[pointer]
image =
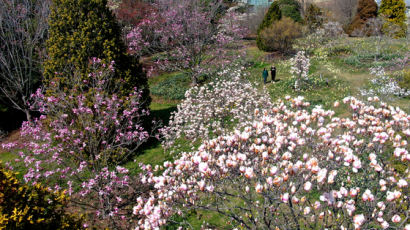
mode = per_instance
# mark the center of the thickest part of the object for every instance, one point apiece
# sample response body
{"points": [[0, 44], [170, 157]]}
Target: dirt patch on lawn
{"points": [[12, 137]]}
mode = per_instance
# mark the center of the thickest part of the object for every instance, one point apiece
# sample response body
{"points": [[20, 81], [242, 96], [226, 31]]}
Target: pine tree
{"points": [[366, 10], [83, 29], [394, 12], [274, 14]]}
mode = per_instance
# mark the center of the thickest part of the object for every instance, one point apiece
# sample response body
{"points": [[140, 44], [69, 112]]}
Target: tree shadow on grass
{"points": [[162, 115]]}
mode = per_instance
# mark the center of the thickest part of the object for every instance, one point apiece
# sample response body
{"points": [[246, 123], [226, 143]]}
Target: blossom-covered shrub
{"points": [[33, 207], [295, 167], [383, 85], [82, 138], [215, 108]]}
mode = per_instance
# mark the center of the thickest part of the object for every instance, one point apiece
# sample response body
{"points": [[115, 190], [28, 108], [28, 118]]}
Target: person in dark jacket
{"points": [[273, 73], [265, 75]]}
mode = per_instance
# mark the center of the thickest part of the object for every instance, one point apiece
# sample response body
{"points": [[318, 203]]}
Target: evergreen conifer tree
{"points": [[81, 30]]}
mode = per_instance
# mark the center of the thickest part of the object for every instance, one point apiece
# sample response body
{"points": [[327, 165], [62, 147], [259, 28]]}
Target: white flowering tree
{"points": [[300, 69], [215, 108]]}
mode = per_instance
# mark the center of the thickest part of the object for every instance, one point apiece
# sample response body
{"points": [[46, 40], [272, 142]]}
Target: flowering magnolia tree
{"points": [[215, 108], [300, 69], [193, 34], [295, 167], [80, 141], [383, 85]]}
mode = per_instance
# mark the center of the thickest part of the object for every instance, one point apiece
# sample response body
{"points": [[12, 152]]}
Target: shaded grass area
{"points": [[171, 86]]}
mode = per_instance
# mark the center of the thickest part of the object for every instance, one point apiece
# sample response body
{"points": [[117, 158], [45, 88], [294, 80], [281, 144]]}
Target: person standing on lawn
{"points": [[265, 75], [273, 73]]}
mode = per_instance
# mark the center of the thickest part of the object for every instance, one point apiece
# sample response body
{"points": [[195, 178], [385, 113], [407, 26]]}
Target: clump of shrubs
{"points": [[274, 14], [276, 33], [33, 207], [280, 35]]}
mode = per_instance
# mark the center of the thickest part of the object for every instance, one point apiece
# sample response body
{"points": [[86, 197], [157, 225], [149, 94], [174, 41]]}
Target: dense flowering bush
{"points": [[383, 85], [33, 207], [82, 138], [215, 108], [294, 167]]}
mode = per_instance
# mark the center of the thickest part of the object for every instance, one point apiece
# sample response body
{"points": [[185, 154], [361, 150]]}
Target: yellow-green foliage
{"points": [[280, 35], [394, 12], [32, 207], [82, 29], [405, 81]]}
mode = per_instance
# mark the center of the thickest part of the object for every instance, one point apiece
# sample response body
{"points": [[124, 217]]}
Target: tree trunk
{"points": [[28, 116]]}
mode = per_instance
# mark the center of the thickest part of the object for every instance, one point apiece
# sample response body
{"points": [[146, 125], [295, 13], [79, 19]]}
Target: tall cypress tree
{"points": [[274, 14], [366, 9], [394, 12], [83, 29]]}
